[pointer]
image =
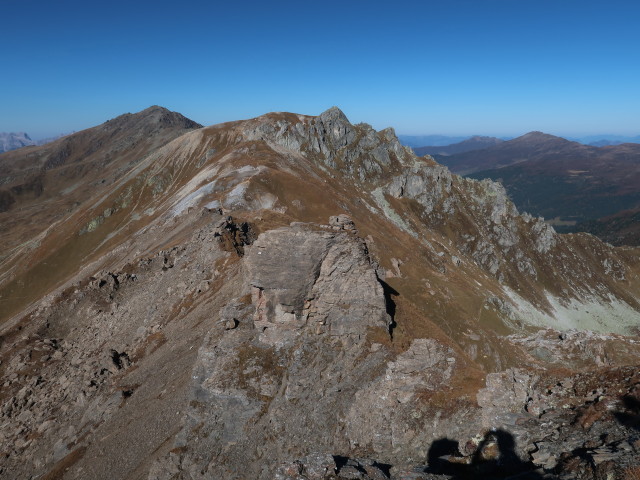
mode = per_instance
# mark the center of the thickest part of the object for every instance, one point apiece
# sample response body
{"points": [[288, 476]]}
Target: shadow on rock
{"points": [[631, 417], [494, 458], [389, 293]]}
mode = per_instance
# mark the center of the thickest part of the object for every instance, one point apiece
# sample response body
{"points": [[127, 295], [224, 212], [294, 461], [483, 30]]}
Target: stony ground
{"points": [[297, 297]]}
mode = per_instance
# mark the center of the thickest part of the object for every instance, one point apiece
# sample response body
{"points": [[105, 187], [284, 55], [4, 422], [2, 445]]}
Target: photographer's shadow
{"points": [[494, 458]]}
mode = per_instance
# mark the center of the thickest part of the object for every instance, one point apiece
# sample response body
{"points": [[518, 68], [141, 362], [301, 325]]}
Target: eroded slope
{"points": [[260, 291]]}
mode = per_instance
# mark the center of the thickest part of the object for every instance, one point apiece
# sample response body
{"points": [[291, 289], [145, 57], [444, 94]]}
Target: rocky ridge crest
{"points": [[516, 249], [224, 329]]}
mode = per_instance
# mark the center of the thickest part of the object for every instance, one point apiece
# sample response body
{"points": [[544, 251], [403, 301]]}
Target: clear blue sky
{"points": [[500, 67]]}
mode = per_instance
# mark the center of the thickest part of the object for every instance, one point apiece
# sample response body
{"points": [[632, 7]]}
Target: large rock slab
{"points": [[318, 281]]}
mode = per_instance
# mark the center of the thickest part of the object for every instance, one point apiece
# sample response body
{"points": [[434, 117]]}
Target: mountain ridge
{"points": [[257, 285], [79, 159], [532, 145], [476, 142]]}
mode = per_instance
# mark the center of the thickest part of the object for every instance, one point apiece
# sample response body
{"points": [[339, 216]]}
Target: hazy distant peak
{"points": [[537, 137], [477, 142], [482, 137], [13, 140], [17, 135], [537, 134]]}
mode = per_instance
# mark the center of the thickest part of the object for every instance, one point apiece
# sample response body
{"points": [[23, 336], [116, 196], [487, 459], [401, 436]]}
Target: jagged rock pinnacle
{"points": [[333, 114]]}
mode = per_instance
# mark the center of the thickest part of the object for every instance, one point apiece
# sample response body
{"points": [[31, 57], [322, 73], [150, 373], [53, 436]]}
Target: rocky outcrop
{"points": [[315, 280], [477, 216], [325, 467], [298, 356], [356, 150], [396, 407], [573, 425]]}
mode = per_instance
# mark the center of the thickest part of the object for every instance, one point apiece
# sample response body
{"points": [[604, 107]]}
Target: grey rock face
{"points": [[505, 394], [286, 263], [321, 281], [358, 150], [444, 196], [544, 236], [319, 466], [426, 184], [333, 127], [293, 363], [393, 410]]}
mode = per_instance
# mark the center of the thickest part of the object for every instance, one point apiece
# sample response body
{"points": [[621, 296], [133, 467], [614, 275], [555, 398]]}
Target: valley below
{"points": [[575, 187]]}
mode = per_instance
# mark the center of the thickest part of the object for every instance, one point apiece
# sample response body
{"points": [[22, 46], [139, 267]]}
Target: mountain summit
{"points": [[531, 146], [295, 296], [44, 184], [151, 120]]}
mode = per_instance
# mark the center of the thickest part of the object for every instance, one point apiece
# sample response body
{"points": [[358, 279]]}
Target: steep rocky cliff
{"points": [[296, 297]]}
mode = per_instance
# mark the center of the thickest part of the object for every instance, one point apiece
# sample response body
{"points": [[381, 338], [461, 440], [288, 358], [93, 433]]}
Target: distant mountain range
{"points": [[604, 143], [568, 183], [420, 142], [473, 143], [531, 146], [603, 140], [12, 141], [414, 141]]}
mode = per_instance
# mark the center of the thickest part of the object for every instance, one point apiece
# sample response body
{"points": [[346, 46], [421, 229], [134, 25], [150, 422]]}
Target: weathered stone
{"points": [[342, 222], [300, 276]]}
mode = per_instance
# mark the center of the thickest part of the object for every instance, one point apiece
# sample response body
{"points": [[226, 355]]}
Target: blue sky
{"points": [[497, 67]]}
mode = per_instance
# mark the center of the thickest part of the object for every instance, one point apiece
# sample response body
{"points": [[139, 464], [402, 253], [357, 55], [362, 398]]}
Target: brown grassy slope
{"points": [[435, 297], [40, 185]]}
